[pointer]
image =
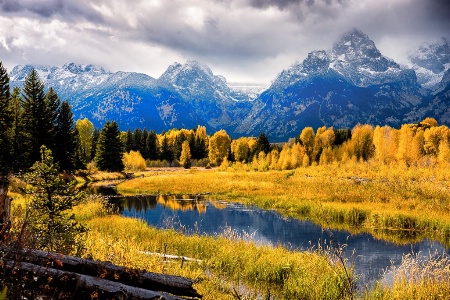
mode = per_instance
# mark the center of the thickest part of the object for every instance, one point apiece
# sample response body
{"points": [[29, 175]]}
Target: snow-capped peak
{"points": [[431, 61]]}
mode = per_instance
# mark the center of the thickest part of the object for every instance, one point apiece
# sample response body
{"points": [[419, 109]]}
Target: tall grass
{"points": [[418, 277], [229, 264]]}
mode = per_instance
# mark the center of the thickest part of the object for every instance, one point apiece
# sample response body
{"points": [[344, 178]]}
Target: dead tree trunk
{"points": [[59, 284], [104, 270], [5, 206]]}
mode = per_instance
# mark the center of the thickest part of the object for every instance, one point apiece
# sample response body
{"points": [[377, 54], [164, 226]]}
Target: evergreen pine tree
{"points": [[152, 146], [6, 120], [65, 147], [129, 141], [16, 132], [53, 104], [137, 135], [262, 144], [95, 136], [143, 144], [109, 149], [36, 116], [51, 198], [166, 151]]}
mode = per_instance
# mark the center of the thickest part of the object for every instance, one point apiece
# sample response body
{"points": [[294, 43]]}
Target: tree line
{"points": [[30, 118]]}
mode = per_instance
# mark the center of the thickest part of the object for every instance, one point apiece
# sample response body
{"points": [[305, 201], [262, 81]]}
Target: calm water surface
{"points": [[371, 257]]}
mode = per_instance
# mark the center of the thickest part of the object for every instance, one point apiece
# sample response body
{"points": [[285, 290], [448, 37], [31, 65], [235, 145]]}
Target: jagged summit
{"points": [[431, 61], [81, 68]]}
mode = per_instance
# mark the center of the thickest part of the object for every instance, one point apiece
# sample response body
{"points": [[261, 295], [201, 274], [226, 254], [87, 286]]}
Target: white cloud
{"points": [[244, 40]]}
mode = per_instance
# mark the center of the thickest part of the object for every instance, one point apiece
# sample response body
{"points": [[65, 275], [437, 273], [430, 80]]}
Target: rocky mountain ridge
{"points": [[350, 83]]}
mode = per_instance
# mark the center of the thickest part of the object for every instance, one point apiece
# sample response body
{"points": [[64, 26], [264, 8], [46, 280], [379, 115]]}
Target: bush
{"points": [[134, 161]]}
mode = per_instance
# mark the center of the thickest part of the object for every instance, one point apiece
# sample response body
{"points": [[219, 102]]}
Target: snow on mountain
{"points": [[348, 84], [207, 93], [430, 62], [353, 82]]}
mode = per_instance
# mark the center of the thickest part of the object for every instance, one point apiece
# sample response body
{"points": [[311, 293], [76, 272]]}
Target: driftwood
{"points": [[102, 278], [170, 256]]}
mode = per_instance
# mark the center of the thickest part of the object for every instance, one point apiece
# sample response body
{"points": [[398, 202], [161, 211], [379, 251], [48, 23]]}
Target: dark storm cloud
{"points": [[253, 36], [70, 10]]}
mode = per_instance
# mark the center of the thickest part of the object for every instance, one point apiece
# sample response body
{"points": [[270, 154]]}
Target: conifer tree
{"points": [[166, 151], [65, 136], [262, 144], [152, 146], [36, 116], [143, 144], [53, 104], [51, 197], [95, 136], [6, 120], [109, 152], [16, 132], [129, 141]]}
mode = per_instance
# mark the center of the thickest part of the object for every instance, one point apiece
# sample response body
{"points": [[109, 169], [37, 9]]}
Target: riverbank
{"points": [[398, 204], [224, 266]]}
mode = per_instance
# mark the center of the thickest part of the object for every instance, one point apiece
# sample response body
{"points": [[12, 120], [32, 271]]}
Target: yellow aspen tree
{"points": [[326, 157], [297, 152], [133, 161], [263, 164], [444, 152], [405, 140], [307, 137], [219, 144], [274, 156], [433, 137], [385, 142], [185, 158], [362, 140], [305, 161], [240, 149]]}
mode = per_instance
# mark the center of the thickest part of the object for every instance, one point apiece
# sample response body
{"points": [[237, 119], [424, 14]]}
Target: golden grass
{"points": [[228, 263], [417, 277]]}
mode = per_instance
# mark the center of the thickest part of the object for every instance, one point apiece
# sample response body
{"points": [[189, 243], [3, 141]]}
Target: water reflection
{"points": [[371, 256]]}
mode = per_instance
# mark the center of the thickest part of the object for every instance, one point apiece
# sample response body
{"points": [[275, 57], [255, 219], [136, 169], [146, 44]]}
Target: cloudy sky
{"points": [[244, 40]]}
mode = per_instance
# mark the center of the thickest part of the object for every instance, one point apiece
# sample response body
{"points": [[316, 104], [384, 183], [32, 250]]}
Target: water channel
{"points": [[195, 214]]}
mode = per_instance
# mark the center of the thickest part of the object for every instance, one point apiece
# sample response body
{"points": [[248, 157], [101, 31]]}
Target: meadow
{"points": [[397, 204]]}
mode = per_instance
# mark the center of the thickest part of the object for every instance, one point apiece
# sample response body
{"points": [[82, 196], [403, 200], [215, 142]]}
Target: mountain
{"points": [[351, 83], [183, 97], [430, 62], [219, 105]]}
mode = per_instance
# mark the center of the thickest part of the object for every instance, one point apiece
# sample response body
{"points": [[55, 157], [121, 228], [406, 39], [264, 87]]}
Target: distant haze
{"points": [[244, 40]]}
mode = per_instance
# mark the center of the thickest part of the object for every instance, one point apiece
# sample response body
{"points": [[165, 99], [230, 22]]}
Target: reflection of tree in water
{"points": [[183, 202], [173, 202]]}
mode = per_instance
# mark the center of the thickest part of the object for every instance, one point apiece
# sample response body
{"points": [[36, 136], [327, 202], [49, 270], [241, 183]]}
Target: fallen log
{"points": [[105, 270], [170, 256], [63, 284]]}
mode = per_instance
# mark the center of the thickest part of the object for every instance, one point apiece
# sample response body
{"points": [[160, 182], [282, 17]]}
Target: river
{"points": [[370, 257]]}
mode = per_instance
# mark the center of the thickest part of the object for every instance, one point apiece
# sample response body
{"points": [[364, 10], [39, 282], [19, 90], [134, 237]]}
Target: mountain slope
{"points": [[349, 84], [220, 106]]}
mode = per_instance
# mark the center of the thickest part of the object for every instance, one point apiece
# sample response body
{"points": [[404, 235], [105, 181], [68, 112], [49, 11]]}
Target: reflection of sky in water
{"points": [[371, 257]]}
